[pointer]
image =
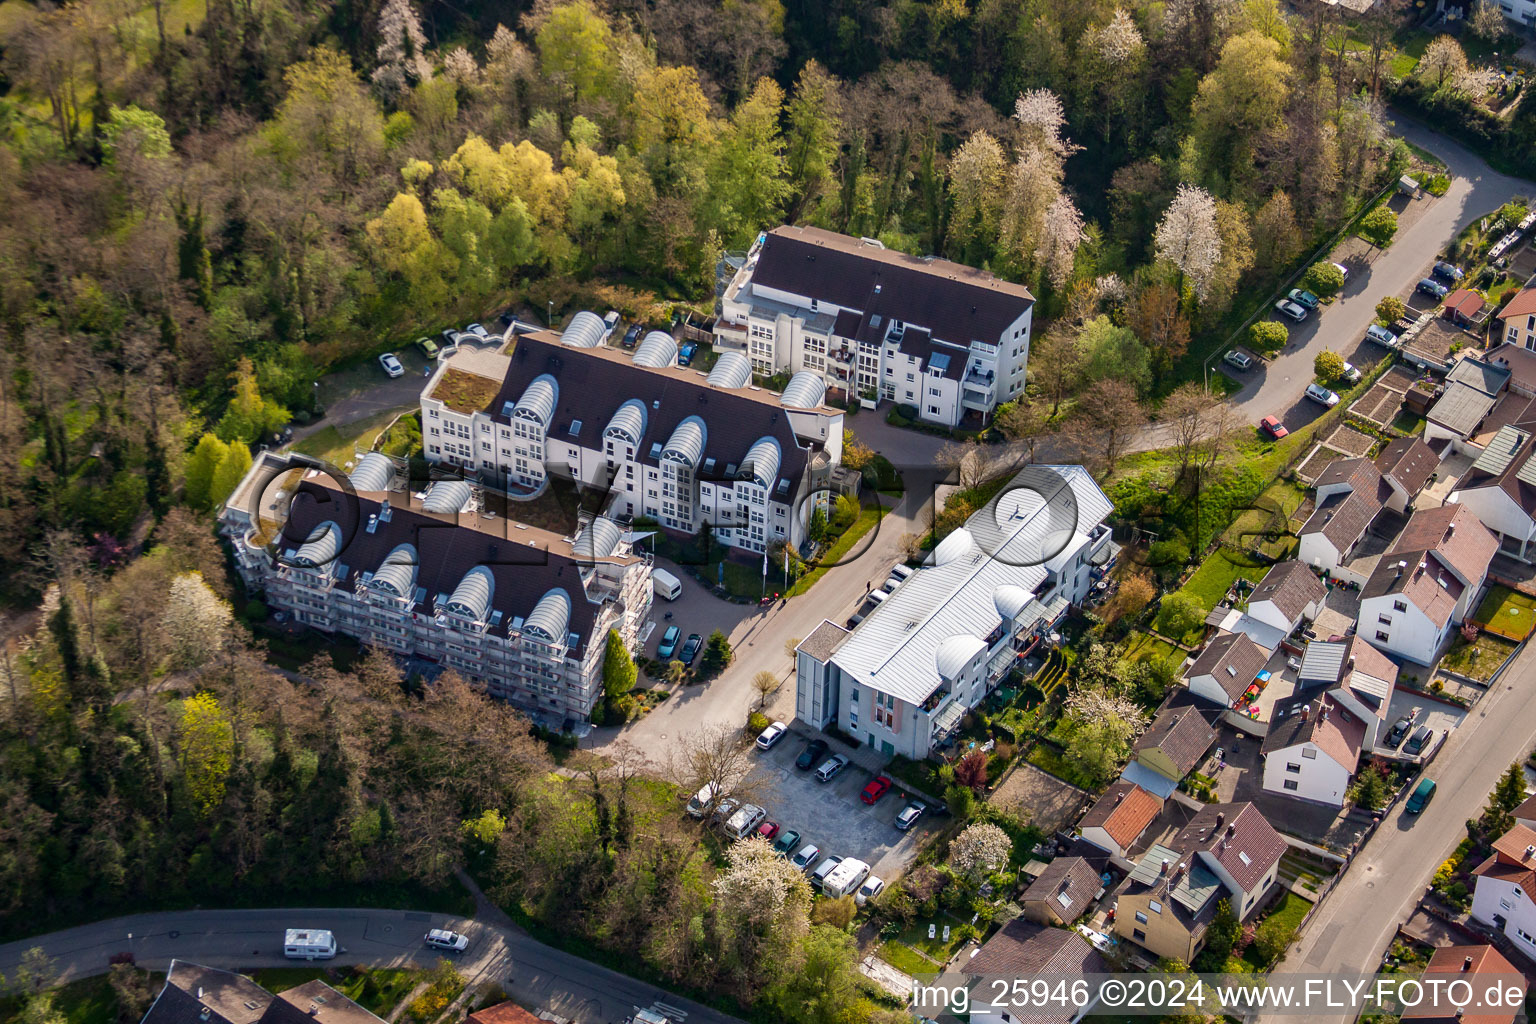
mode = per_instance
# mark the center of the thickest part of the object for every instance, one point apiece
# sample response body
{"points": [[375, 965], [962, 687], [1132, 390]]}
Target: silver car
{"points": [[1322, 395], [1381, 336], [1287, 308]]}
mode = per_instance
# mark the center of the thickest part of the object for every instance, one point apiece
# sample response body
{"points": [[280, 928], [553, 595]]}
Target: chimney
{"points": [[204, 1013], [1163, 869], [1306, 711], [1221, 817], [314, 1009], [1466, 965], [1530, 851], [1231, 831]]}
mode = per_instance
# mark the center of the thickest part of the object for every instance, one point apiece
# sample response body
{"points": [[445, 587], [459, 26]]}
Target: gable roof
{"points": [[1320, 721], [1508, 462], [1510, 861], [315, 1002], [1370, 675], [1291, 587], [1438, 554], [1358, 474], [1066, 885], [953, 303], [1237, 836], [1522, 304], [1232, 660], [1021, 949], [1479, 373], [503, 1013], [1526, 810], [1182, 733], [190, 988], [1409, 461], [1124, 811], [1454, 533], [1342, 518], [1485, 967], [1464, 301]]}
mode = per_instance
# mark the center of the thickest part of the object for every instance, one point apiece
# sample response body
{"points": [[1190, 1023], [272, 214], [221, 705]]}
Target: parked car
{"points": [[700, 803], [1421, 794], [787, 843], [1320, 394], [877, 788], [453, 942], [1381, 336], [391, 365], [1341, 268], [1399, 732], [1272, 426], [724, 809], [478, 330], [830, 767], [1351, 373], [1287, 308], [691, 648], [807, 857], [873, 886], [611, 320], [449, 336], [811, 756], [1449, 271], [1434, 289], [771, 735], [668, 643], [428, 347], [1302, 297], [825, 868], [685, 354], [908, 815], [1240, 360], [1418, 741], [631, 336], [768, 829]]}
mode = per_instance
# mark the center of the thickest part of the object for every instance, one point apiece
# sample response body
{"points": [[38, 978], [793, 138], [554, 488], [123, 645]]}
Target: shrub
{"points": [[1378, 227], [1329, 366], [1323, 278], [1391, 309], [960, 800], [1437, 184], [255, 611], [1179, 614], [1271, 938], [1268, 336], [757, 722]]}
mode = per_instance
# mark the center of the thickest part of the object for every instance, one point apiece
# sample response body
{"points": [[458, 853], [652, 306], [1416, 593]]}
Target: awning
{"points": [[1158, 785], [947, 720]]}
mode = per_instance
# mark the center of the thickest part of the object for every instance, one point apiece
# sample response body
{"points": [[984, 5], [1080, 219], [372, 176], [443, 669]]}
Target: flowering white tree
{"points": [[1042, 117], [1443, 60], [1040, 225], [401, 51], [1119, 42], [1111, 290], [460, 68], [196, 620], [979, 850], [978, 181], [1188, 237]]}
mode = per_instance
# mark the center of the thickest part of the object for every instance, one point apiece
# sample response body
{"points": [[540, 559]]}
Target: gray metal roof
{"points": [[1461, 408], [1526, 474], [585, 330], [472, 597], [762, 462], [448, 496], [658, 348], [321, 546], [397, 573], [628, 421], [1151, 864], [374, 472], [1500, 450], [1009, 600], [597, 539], [1486, 377], [1323, 662], [1195, 887], [733, 370], [551, 615], [956, 652], [539, 400], [687, 442], [805, 390]]}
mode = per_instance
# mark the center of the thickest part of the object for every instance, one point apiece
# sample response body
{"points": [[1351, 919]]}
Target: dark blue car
{"points": [[685, 354]]}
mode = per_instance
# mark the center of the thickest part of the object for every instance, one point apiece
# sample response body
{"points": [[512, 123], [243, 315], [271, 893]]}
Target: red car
{"points": [[876, 789], [768, 829], [1273, 427]]}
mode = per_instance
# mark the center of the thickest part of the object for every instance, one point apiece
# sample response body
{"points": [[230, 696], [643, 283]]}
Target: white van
{"points": [[845, 879], [308, 944], [901, 571], [666, 584], [700, 803], [745, 821], [878, 596]]}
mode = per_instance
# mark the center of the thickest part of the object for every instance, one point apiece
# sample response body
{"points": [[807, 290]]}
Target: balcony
{"points": [[981, 401]]}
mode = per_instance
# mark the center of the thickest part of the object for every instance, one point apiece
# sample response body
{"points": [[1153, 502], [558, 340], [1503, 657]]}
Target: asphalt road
{"points": [[531, 973], [1356, 923]]}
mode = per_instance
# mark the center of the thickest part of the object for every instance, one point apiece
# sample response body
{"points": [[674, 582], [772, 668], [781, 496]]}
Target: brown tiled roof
{"points": [[1124, 811], [1513, 874], [1342, 518], [1512, 846], [1233, 660], [1021, 949], [1067, 884], [315, 1002], [1454, 533], [1329, 726], [1433, 590], [1523, 304], [1358, 474], [1464, 301], [1291, 586], [190, 988], [503, 1013], [1182, 734], [1526, 810], [1409, 461], [1369, 674], [956, 303], [1485, 967], [1246, 845]]}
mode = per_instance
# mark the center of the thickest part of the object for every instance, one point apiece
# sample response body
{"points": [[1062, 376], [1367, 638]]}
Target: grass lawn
{"points": [[1216, 575], [905, 960], [337, 446], [1289, 910], [1146, 647], [377, 991], [916, 936], [1507, 612], [839, 549], [1048, 759], [1478, 659], [1408, 423], [1270, 514]]}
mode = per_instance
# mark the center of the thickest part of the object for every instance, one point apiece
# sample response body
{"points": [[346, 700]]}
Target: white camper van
{"points": [[845, 878], [308, 944], [744, 821], [666, 584]]}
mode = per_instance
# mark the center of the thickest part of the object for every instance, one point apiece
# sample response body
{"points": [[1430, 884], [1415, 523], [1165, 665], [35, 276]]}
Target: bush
{"points": [[1329, 366], [1378, 227], [1179, 614], [255, 611], [717, 655], [757, 722], [1437, 184], [1390, 309], [1323, 278], [960, 800], [1268, 336], [1271, 938]]}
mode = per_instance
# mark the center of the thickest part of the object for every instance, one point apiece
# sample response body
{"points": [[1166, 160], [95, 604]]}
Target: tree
{"points": [[1184, 411], [1508, 794], [1135, 593], [1370, 790], [484, 829], [814, 126], [1238, 104], [711, 756], [762, 905], [619, 671], [1098, 727], [764, 683], [816, 529], [1180, 614], [231, 470], [1487, 21], [206, 738], [1188, 237], [132, 132], [978, 186], [249, 416], [1378, 226], [676, 672], [856, 454], [822, 984], [1390, 310], [1157, 317], [1323, 278], [1112, 352], [971, 770], [1022, 422], [1056, 364], [1443, 60], [196, 620], [575, 45], [1272, 937], [201, 467], [1268, 336], [748, 173], [979, 850], [1040, 228], [1276, 238], [964, 460], [401, 51], [1110, 417], [960, 801], [1328, 366], [717, 654], [1220, 937]]}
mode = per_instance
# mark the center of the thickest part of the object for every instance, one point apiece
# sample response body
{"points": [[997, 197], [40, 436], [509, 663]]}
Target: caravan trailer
{"points": [[309, 944]]}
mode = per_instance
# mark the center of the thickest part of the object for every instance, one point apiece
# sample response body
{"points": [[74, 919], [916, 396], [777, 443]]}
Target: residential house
{"points": [[686, 448], [1022, 949], [1222, 672], [1227, 851], [1350, 495], [193, 994], [1357, 676], [503, 1013], [1119, 817], [1062, 893], [1312, 749], [1472, 388], [877, 324], [1515, 324], [1500, 489], [522, 613], [1289, 594], [1504, 895], [946, 636], [1485, 970], [1525, 814], [1406, 464], [1462, 308], [1171, 747], [1427, 584]]}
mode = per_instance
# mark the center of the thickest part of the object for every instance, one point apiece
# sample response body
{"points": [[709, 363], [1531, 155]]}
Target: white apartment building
{"points": [[687, 448], [905, 676], [945, 338], [520, 612]]}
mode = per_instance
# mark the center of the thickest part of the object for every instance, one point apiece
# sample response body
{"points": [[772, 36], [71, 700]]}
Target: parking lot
{"points": [[830, 814], [1441, 718]]}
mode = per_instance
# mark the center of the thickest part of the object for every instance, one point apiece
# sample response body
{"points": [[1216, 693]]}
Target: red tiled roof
{"points": [[1482, 964], [503, 1013], [1523, 304], [1124, 811]]}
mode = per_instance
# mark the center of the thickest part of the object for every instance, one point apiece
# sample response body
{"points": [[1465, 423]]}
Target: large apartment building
{"points": [[432, 574], [877, 324], [684, 447], [905, 676]]}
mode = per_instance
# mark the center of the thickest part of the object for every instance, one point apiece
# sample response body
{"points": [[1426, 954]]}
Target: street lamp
{"points": [[130, 945], [551, 318]]}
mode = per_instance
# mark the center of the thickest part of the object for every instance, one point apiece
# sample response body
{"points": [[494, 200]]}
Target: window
{"points": [[1141, 918], [911, 378], [933, 410], [1383, 637], [1156, 907], [1138, 935], [1400, 606], [1526, 936], [934, 392], [1292, 784], [1385, 620], [1293, 767], [1309, 753]]}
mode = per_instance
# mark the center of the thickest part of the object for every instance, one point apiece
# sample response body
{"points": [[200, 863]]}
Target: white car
{"points": [[1351, 373], [1381, 336], [1318, 393], [1342, 269], [771, 735], [391, 365], [440, 938], [1287, 308], [871, 888]]}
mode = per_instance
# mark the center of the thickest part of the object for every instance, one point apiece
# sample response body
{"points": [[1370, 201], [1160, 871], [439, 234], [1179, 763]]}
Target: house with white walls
{"points": [[1312, 749], [1504, 895]]}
